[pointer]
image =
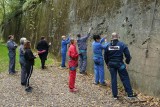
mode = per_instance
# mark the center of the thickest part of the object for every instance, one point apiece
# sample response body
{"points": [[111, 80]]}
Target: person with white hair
{"points": [[114, 53], [22, 60]]}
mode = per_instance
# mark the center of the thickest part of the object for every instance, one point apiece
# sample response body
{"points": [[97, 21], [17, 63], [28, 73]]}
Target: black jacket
{"points": [[29, 57], [115, 51], [42, 45]]}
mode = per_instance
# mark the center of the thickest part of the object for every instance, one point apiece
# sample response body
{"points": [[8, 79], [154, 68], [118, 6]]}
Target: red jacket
{"points": [[73, 55]]}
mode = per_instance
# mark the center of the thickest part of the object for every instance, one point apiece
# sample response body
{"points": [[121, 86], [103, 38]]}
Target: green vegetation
{"points": [[4, 60]]}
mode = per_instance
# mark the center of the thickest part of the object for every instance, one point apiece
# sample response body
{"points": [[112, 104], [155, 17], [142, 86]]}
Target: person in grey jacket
{"points": [[22, 60], [11, 45], [82, 46]]}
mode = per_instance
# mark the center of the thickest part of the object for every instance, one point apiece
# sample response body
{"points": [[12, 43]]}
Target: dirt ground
{"points": [[50, 89]]}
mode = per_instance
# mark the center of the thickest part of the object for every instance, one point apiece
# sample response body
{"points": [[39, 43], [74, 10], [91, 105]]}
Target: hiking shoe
{"points": [[73, 90]]}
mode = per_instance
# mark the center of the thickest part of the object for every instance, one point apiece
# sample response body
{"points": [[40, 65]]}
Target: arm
{"points": [[106, 55], [102, 40], [67, 41], [11, 45], [127, 55]]}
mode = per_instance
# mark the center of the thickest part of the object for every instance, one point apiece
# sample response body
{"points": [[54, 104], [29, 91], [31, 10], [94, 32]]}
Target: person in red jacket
{"points": [[73, 64]]}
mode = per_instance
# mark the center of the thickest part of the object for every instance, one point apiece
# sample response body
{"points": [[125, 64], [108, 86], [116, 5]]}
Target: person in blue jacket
{"points": [[82, 46], [11, 45], [114, 53], [65, 41], [22, 60], [98, 59]]}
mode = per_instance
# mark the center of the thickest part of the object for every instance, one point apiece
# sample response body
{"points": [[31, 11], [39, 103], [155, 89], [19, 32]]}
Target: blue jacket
{"points": [[64, 45], [115, 51], [98, 48], [82, 42]]}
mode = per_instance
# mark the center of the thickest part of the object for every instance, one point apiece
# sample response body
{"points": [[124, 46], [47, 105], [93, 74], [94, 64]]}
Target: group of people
{"points": [[114, 52], [26, 58]]}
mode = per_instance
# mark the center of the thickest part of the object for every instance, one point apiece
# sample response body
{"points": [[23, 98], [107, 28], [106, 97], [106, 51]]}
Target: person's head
{"points": [[42, 38], [11, 37], [97, 38], [78, 35], [115, 36], [72, 41], [63, 37], [27, 45], [22, 40]]}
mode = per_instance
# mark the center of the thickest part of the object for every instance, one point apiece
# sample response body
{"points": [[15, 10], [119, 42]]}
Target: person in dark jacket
{"points": [[29, 59], [65, 41], [114, 53], [43, 48], [22, 60], [11, 45], [82, 46]]}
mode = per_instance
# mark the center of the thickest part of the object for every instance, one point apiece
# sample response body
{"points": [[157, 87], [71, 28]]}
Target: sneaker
{"points": [[132, 96], [104, 84], [116, 98], [96, 83], [73, 90]]}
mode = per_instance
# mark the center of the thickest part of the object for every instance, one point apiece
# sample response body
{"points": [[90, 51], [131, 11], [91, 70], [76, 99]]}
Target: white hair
{"points": [[22, 40]]}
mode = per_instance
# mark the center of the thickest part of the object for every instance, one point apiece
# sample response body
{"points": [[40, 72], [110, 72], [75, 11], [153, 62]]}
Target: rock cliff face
{"points": [[136, 21]]}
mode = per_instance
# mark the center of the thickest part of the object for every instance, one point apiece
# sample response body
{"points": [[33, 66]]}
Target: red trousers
{"points": [[72, 78]]}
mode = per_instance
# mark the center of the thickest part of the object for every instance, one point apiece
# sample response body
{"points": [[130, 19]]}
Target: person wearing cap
{"points": [[82, 46], [43, 48], [65, 41], [98, 59], [22, 60], [29, 60], [11, 45], [113, 55], [73, 63]]}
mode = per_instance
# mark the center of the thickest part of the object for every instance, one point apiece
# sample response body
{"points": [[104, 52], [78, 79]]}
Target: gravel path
{"points": [[50, 89]]}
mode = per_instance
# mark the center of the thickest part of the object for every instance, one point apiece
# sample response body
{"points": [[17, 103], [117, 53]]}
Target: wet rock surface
{"points": [[50, 89]]}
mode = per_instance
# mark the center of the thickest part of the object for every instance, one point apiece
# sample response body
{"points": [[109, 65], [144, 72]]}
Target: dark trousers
{"points": [[119, 67], [83, 62], [43, 58], [29, 70], [23, 72], [12, 57]]}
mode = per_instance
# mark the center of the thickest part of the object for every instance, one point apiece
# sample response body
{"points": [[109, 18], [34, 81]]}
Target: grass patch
{"points": [[4, 59]]}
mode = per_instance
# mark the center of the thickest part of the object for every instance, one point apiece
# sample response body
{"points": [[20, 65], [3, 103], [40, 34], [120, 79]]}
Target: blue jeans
{"points": [[99, 71], [63, 59], [119, 67]]}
